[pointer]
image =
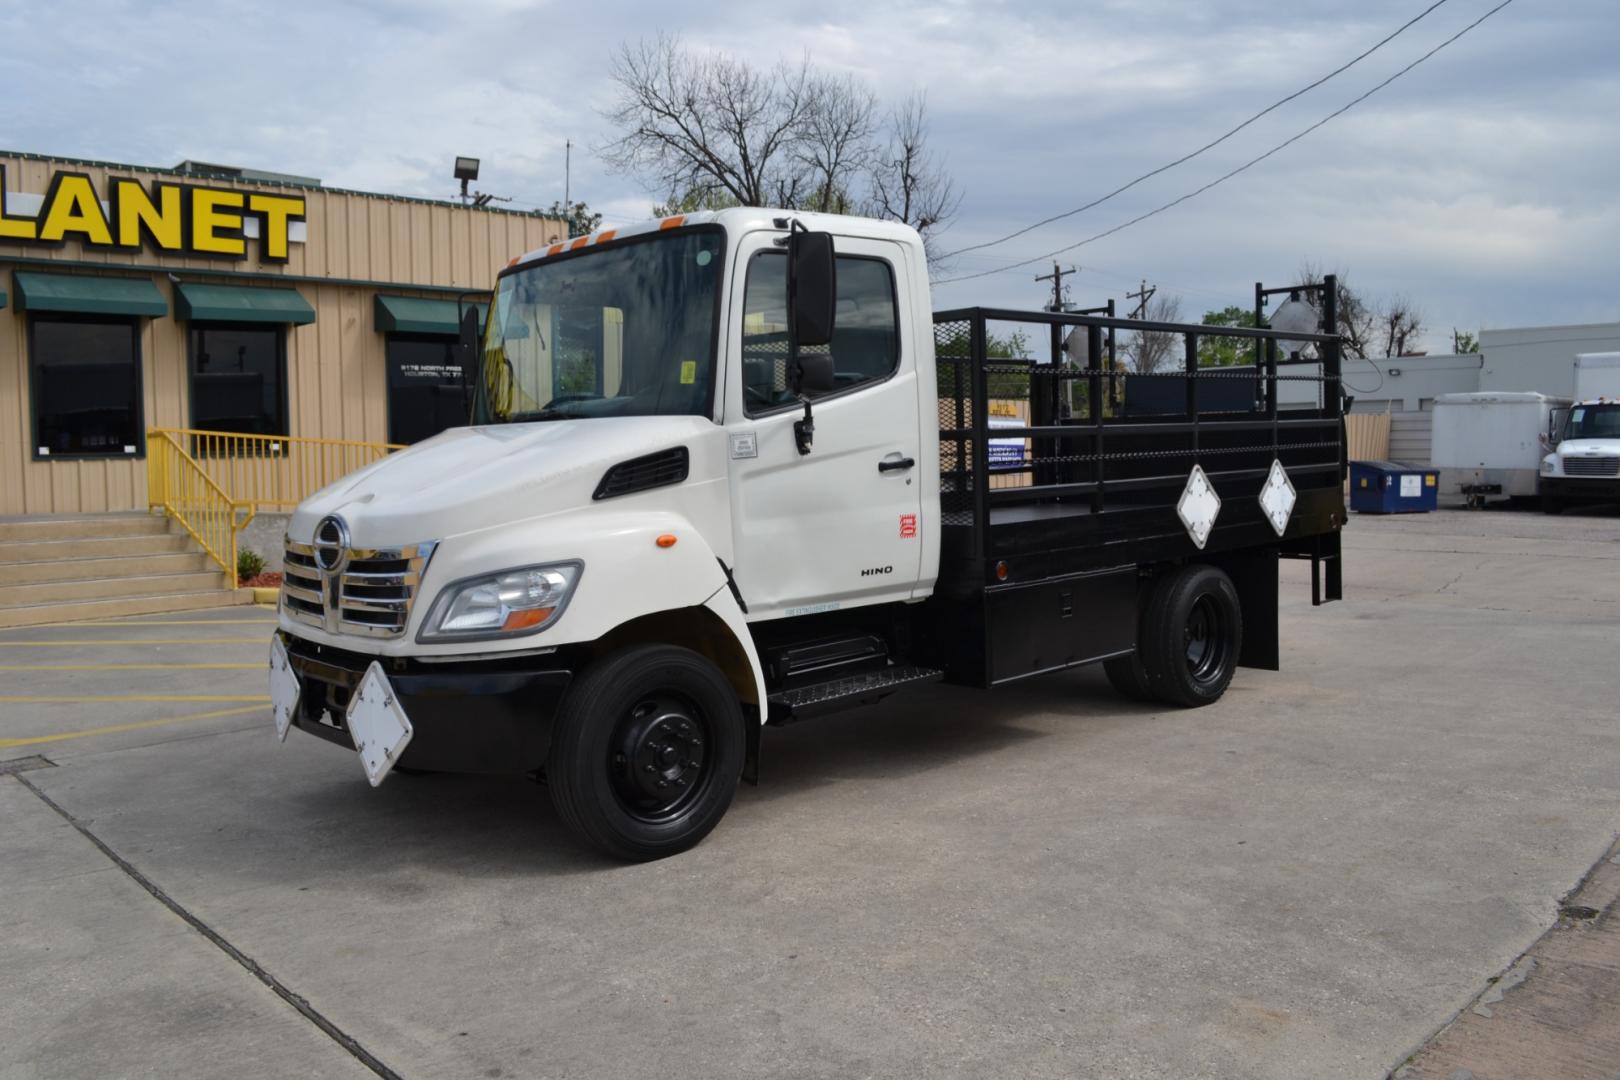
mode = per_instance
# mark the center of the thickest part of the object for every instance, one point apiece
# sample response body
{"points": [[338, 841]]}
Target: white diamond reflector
{"points": [[1277, 497], [1199, 507], [283, 688]]}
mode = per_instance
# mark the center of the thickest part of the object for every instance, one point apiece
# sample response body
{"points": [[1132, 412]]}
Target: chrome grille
{"points": [[1591, 466], [370, 594]]}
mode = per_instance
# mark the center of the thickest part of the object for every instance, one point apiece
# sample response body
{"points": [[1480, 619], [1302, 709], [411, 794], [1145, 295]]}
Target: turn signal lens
{"points": [[1001, 571], [666, 541], [523, 620]]}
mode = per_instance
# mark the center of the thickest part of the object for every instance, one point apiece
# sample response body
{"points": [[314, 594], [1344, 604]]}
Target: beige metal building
{"points": [[214, 298]]}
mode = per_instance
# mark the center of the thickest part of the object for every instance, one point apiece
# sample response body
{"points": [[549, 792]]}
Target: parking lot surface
{"points": [[1309, 879]]}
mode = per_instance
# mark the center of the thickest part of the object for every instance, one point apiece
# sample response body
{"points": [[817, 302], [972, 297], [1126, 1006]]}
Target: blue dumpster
{"points": [[1392, 487]]}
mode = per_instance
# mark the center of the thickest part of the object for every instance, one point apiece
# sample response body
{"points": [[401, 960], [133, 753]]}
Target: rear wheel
{"points": [[1129, 676], [1192, 632], [646, 752]]}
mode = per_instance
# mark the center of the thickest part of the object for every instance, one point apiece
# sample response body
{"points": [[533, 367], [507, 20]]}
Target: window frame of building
{"points": [[283, 422], [36, 386], [412, 337], [753, 411]]}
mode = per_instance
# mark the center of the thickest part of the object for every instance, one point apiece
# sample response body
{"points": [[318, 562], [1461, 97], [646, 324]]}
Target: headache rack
{"points": [[1052, 452]]}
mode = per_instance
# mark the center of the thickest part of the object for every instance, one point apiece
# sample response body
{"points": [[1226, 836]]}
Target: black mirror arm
{"points": [[804, 431]]}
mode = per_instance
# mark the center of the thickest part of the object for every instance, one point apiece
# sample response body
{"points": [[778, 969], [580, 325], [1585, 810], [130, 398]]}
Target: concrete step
{"points": [[178, 562], [81, 527], [40, 614], [57, 592], [14, 551]]}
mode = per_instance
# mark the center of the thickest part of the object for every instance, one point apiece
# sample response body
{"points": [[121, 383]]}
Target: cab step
{"points": [[805, 701]]}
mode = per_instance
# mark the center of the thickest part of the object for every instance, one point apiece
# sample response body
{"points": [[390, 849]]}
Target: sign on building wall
{"points": [[177, 219]]}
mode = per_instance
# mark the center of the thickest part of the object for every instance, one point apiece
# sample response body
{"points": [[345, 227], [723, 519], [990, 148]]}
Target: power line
{"points": [[1241, 168], [1209, 145]]}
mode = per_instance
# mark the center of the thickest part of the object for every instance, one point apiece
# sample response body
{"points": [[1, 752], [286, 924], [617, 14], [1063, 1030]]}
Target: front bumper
{"points": [[1581, 489], [485, 716]]}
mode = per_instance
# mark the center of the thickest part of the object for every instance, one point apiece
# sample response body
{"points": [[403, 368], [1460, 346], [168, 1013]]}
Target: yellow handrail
{"points": [[275, 471], [189, 495], [214, 482]]}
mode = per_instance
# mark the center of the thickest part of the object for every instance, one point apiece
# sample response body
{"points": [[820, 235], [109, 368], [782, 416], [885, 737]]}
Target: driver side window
{"points": [[866, 332]]}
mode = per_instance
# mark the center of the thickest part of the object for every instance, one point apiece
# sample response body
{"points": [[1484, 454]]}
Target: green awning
{"points": [[414, 315], [89, 295], [241, 303]]}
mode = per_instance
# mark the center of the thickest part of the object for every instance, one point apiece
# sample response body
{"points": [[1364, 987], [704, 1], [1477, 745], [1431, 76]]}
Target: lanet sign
{"points": [[179, 219]]}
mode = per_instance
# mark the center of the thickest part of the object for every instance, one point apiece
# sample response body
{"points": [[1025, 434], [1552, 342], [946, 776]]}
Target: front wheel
{"points": [[646, 752], [1192, 632]]}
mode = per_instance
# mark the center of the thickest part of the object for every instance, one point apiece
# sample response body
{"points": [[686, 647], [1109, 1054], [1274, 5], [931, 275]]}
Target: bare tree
{"points": [[908, 181], [1402, 325], [1154, 350], [709, 123], [835, 142], [1366, 326]]}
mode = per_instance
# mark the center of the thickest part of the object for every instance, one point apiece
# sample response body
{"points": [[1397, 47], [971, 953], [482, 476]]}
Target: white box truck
{"points": [[728, 470], [1584, 465], [1491, 444]]}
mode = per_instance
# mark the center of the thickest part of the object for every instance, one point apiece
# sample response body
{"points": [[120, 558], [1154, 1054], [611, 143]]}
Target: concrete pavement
{"points": [[1308, 879]]}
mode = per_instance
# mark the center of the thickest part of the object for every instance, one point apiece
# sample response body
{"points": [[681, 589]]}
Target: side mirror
{"points": [[815, 374], [812, 287]]}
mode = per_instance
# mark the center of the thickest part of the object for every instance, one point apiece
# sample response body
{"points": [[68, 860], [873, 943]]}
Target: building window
{"points": [[425, 392], [86, 378], [239, 378]]}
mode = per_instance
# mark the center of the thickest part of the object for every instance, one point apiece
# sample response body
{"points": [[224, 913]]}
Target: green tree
{"points": [[1464, 342], [578, 216], [1216, 351], [695, 199]]}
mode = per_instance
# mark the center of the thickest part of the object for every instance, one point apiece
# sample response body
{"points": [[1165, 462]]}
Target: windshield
{"points": [[619, 331], [1593, 422]]}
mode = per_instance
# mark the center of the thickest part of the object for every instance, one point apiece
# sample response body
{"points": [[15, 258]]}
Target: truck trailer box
{"points": [[1597, 375], [1491, 443]]}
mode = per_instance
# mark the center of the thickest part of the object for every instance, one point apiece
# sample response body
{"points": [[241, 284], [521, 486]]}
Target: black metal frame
{"points": [[1097, 494]]}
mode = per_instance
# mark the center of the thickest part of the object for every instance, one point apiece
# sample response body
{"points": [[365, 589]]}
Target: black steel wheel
{"points": [[1192, 632], [646, 751]]}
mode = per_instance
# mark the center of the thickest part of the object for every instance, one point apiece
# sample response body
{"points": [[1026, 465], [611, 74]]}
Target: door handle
{"points": [[896, 465]]}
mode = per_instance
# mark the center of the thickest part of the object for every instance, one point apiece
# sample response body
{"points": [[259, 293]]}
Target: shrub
{"points": [[249, 564]]}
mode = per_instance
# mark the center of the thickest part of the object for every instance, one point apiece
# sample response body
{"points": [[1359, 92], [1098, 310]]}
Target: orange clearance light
{"points": [[522, 620], [1001, 571], [577, 244], [667, 540], [605, 235], [672, 222], [554, 249], [513, 261]]}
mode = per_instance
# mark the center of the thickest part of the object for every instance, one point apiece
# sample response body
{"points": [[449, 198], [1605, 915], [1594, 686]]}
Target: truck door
{"points": [[839, 526]]}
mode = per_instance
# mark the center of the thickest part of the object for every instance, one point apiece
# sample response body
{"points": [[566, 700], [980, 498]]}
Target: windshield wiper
{"points": [[540, 414]]}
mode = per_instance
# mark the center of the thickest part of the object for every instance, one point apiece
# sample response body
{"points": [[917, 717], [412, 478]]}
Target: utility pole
{"points": [[568, 176], [1142, 296], [1056, 278]]}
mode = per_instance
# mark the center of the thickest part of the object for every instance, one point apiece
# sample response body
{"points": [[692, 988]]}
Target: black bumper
{"points": [[476, 717], [1580, 489]]}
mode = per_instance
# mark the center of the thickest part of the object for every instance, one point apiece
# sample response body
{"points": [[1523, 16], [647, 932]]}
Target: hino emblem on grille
{"points": [[331, 545]]}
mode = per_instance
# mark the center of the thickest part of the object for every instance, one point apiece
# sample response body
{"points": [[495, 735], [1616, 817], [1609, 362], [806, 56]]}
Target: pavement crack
{"points": [[299, 1003]]}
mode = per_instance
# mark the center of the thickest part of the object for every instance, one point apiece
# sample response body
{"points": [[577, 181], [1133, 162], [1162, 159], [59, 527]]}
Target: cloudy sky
{"points": [[1482, 185]]}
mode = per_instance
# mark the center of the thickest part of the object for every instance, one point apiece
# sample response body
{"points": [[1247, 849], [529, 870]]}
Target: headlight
{"points": [[513, 602]]}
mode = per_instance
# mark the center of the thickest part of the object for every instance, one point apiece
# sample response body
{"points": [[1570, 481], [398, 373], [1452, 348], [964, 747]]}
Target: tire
{"points": [[1552, 504], [1192, 633], [646, 752]]}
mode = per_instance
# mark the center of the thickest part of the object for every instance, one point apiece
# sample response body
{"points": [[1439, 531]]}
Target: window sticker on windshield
{"points": [[688, 372]]}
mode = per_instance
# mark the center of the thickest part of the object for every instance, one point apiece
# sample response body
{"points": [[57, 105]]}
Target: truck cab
{"points": [[702, 490], [1583, 462]]}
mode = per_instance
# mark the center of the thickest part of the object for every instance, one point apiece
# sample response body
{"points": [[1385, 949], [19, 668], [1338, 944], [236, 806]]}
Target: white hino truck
{"points": [[728, 470]]}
